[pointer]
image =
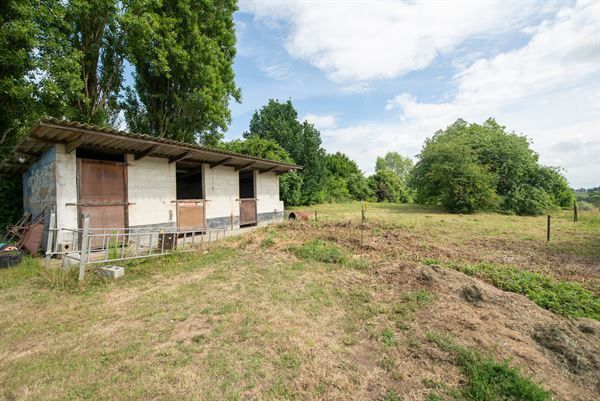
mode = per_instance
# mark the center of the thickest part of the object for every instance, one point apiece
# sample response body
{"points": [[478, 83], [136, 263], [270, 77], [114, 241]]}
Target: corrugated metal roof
{"points": [[50, 131]]}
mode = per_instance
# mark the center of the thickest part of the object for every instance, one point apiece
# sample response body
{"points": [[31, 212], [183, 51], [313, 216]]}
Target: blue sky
{"points": [[384, 75]]}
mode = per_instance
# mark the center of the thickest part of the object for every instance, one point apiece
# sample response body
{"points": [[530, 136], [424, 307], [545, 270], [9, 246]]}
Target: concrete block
{"points": [[70, 259], [113, 272]]}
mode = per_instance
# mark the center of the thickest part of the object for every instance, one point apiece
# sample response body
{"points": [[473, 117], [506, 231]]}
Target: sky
{"points": [[380, 76]]}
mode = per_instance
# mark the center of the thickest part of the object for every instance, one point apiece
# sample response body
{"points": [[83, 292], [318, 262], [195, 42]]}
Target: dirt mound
{"points": [[559, 354]]}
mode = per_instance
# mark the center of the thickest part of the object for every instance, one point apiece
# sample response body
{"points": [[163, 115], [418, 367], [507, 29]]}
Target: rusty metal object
{"points": [[190, 214], [32, 238], [295, 215], [247, 212]]}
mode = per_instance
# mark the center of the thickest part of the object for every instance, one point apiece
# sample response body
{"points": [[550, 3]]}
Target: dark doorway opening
{"points": [[247, 185], [189, 184]]}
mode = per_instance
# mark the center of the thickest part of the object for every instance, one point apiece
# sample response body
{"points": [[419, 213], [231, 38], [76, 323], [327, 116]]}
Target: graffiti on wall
{"points": [[39, 189]]}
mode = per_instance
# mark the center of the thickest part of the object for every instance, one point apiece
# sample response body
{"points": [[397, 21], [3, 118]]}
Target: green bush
{"points": [[470, 167], [388, 187]]}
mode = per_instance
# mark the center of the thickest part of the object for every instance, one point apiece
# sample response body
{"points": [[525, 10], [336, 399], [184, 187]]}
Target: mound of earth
{"points": [[560, 355]]}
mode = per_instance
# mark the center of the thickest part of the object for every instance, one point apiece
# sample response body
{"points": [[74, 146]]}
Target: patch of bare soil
{"points": [[559, 354]]}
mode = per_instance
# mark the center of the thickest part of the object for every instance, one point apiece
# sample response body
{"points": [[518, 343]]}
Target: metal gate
{"points": [[190, 214], [247, 211], [102, 189]]}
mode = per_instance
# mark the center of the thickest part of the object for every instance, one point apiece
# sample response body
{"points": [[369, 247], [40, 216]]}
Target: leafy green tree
{"points": [[387, 187], [448, 173], [495, 160], [279, 122], [258, 147], [183, 53], [94, 35], [341, 167], [394, 161], [290, 184], [17, 41]]}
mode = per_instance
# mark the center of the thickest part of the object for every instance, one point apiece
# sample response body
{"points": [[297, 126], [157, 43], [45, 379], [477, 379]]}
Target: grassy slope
{"points": [[266, 316]]}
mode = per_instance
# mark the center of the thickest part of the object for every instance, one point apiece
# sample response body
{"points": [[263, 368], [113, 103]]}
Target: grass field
{"points": [[416, 305]]}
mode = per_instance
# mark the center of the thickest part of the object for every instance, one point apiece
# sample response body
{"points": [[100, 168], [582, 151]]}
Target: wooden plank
{"points": [[144, 153], [71, 146], [180, 157], [238, 168], [267, 170], [221, 162]]}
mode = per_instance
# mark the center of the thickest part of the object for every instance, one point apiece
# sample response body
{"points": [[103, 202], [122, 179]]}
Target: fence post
{"points": [[575, 211], [50, 239], [548, 231], [84, 245], [316, 217]]}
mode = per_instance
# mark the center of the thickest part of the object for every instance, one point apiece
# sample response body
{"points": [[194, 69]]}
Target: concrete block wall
{"points": [[221, 191], [267, 192], [151, 188], [66, 188]]}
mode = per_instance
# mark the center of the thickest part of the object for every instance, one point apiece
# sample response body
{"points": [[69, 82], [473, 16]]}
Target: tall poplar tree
{"points": [[183, 53]]}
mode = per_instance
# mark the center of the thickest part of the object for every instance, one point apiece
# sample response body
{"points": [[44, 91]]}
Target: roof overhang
{"points": [[48, 132]]}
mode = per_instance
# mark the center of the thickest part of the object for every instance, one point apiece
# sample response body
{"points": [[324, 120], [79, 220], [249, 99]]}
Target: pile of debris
{"points": [[26, 235]]}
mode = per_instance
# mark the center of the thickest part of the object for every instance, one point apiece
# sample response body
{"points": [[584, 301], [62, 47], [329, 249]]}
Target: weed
{"points": [[411, 302], [392, 395], [489, 380], [267, 243], [199, 338], [320, 251], [562, 297], [387, 363], [388, 337]]}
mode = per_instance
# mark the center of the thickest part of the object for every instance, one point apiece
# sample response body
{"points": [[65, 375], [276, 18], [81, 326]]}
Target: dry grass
{"points": [[303, 311]]}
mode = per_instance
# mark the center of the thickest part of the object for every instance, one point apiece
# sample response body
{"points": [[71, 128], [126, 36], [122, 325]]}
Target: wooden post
{"points": [[316, 218], [50, 239], [575, 211], [85, 232], [548, 230], [362, 223]]}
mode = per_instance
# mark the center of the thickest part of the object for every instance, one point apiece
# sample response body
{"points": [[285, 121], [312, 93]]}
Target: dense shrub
{"points": [[470, 167], [388, 187]]}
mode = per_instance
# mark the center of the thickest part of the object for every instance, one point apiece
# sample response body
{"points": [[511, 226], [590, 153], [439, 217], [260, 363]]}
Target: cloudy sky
{"points": [[376, 76]]}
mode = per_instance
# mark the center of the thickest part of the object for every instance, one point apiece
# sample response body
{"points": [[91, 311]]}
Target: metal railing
{"points": [[104, 245]]}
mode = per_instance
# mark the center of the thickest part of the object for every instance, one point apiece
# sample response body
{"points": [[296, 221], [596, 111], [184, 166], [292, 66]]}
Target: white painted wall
{"points": [[66, 188], [151, 186], [267, 192], [221, 190]]}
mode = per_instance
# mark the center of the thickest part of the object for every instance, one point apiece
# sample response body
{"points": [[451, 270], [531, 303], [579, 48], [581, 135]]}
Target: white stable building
{"points": [[126, 180]]}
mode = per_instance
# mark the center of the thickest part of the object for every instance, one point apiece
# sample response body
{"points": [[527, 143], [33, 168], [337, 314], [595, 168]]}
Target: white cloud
{"points": [[363, 40], [320, 121], [359, 87], [549, 89]]}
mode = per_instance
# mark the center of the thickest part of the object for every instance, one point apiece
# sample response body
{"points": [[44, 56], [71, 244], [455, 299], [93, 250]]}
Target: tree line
{"points": [[465, 167]]}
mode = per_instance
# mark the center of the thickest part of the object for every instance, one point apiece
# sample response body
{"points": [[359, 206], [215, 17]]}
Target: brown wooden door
{"points": [[190, 215], [247, 211], [103, 195]]}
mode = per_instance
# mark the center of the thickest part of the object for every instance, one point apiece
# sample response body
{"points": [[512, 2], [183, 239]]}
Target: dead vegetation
{"points": [[303, 310]]}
